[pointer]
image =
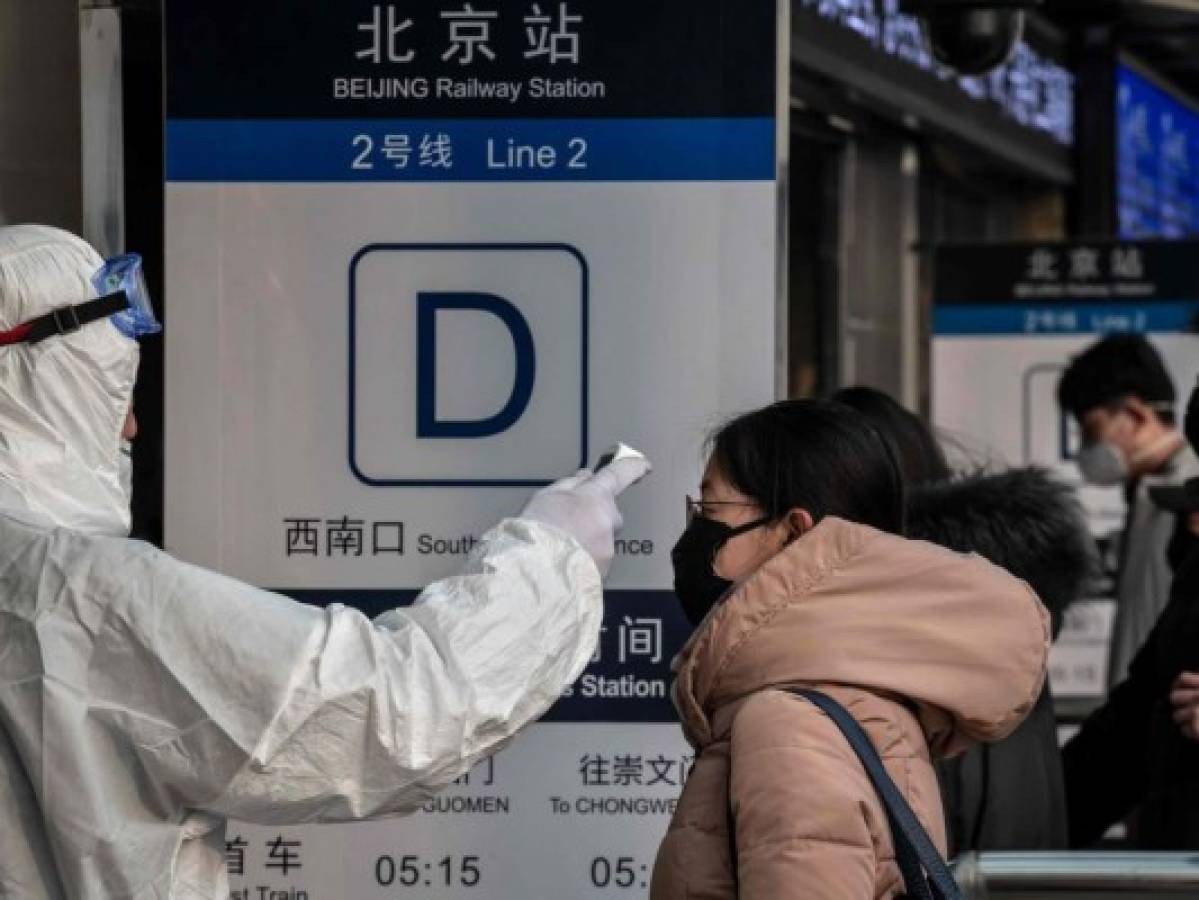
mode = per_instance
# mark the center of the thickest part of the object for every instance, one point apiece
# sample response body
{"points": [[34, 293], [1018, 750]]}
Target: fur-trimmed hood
{"points": [[1022, 520]]}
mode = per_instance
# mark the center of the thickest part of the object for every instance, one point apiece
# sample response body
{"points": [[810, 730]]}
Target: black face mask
{"points": [[696, 583]]}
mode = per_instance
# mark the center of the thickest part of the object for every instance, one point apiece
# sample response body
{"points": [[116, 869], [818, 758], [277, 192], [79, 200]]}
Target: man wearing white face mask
{"points": [[144, 701], [1123, 399]]}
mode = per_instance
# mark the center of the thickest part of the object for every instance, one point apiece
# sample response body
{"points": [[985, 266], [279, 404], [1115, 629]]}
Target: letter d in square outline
{"points": [[483, 478]]}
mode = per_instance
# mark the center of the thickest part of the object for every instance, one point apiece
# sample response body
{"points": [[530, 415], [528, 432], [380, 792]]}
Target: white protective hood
{"points": [[63, 401]]}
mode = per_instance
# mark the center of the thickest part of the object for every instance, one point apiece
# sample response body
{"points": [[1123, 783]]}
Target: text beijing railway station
{"points": [[444, 88]]}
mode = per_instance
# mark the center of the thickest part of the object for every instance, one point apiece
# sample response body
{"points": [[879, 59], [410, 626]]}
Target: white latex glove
{"points": [[584, 506]]}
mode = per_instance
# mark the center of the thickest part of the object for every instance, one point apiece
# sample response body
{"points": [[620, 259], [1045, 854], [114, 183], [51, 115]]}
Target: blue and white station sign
{"points": [[423, 257], [1007, 320]]}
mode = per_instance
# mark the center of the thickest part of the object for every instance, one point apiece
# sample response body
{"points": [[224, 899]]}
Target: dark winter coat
{"points": [[1010, 795], [1130, 754]]}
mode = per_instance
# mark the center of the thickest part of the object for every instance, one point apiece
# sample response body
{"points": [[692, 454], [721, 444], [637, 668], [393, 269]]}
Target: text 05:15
{"points": [[414, 870]]}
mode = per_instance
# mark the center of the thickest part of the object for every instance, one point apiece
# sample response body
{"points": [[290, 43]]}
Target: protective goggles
{"points": [[124, 298]]}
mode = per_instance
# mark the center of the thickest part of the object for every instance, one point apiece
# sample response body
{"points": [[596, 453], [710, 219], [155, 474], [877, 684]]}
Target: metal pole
{"points": [[103, 124]]}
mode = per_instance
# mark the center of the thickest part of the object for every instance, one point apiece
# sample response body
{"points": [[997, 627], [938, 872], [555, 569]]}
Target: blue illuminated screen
{"points": [[1157, 159]]}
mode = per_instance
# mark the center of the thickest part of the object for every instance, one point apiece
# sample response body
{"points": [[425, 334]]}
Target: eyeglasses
{"points": [[698, 508]]}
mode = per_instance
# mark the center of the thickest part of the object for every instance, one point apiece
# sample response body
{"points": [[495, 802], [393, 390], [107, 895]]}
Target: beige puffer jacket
{"points": [[928, 649]]}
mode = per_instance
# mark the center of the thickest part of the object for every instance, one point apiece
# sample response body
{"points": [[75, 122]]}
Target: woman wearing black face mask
{"points": [[794, 572], [747, 512]]}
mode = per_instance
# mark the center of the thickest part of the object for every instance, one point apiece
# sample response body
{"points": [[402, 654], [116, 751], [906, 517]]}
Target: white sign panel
{"points": [[421, 259]]}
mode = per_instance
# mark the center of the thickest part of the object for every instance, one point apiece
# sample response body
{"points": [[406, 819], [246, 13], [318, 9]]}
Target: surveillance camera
{"points": [[973, 41]]}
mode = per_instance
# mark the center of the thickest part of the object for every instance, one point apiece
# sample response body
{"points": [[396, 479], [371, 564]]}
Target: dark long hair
{"points": [[920, 456], [816, 455]]}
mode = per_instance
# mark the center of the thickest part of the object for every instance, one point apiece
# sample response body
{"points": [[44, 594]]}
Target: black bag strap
{"points": [[925, 873]]}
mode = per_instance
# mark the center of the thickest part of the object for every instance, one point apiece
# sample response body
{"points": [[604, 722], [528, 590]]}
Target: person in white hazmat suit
{"points": [[144, 701]]}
